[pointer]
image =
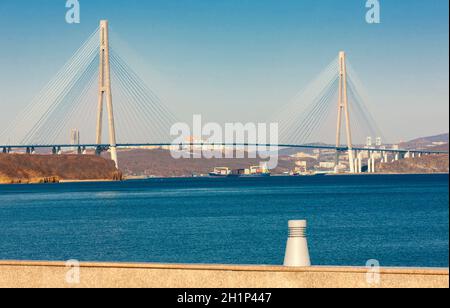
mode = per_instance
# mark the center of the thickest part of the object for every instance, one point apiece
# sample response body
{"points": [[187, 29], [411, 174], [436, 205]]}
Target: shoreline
{"points": [[30, 182]]}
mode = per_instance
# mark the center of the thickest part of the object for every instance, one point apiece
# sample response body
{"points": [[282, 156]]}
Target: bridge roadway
{"points": [[105, 147]]}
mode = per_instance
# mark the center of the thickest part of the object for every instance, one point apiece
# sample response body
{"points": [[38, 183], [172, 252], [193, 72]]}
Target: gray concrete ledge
{"points": [[15, 274]]}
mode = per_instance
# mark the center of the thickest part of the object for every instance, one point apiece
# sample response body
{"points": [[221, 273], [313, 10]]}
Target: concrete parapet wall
{"points": [[109, 275]]}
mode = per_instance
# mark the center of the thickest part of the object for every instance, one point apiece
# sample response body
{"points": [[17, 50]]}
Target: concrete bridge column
{"points": [[357, 162], [360, 163], [369, 163], [351, 161], [372, 161]]}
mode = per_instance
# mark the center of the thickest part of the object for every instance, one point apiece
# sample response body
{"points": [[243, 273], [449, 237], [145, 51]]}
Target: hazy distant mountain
{"points": [[431, 139], [438, 142]]}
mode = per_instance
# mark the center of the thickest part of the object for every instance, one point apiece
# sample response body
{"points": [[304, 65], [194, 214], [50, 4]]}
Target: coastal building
{"points": [[327, 165], [74, 136], [306, 155]]}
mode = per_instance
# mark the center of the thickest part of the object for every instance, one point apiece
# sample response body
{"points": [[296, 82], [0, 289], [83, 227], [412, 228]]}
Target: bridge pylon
{"points": [[343, 110], [104, 92]]}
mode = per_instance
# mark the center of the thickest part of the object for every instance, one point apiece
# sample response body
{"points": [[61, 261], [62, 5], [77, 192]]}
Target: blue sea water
{"points": [[399, 220]]}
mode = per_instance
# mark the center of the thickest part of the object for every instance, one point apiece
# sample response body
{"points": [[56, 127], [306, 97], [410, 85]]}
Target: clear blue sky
{"points": [[241, 59]]}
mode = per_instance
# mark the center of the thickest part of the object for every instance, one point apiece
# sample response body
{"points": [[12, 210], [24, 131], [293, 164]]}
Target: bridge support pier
{"points": [[351, 159], [344, 110], [359, 163], [114, 156], [385, 157], [104, 92], [373, 165]]}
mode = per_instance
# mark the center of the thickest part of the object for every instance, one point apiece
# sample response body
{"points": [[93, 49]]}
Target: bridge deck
{"points": [[131, 145]]}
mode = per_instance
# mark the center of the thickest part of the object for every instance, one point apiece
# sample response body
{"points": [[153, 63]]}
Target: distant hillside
{"points": [[431, 142], [425, 164], [431, 139], [444, 147], [53, 168], [293, 151], [159, 163]]}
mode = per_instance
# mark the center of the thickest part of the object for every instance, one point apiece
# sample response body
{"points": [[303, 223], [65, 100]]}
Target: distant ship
{"points": [[254, 171], [317, 173], [220, 172]]}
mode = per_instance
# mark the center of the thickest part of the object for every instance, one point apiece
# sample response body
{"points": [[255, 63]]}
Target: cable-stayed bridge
{"points": [[97, 79]]}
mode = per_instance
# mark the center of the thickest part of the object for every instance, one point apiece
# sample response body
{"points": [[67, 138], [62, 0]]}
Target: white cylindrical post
{"points": [[297, 252]]}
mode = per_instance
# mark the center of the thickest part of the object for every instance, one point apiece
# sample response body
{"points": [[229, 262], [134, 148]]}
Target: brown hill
{"points": [[444, 148], [425, 164], [53, 168]]}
